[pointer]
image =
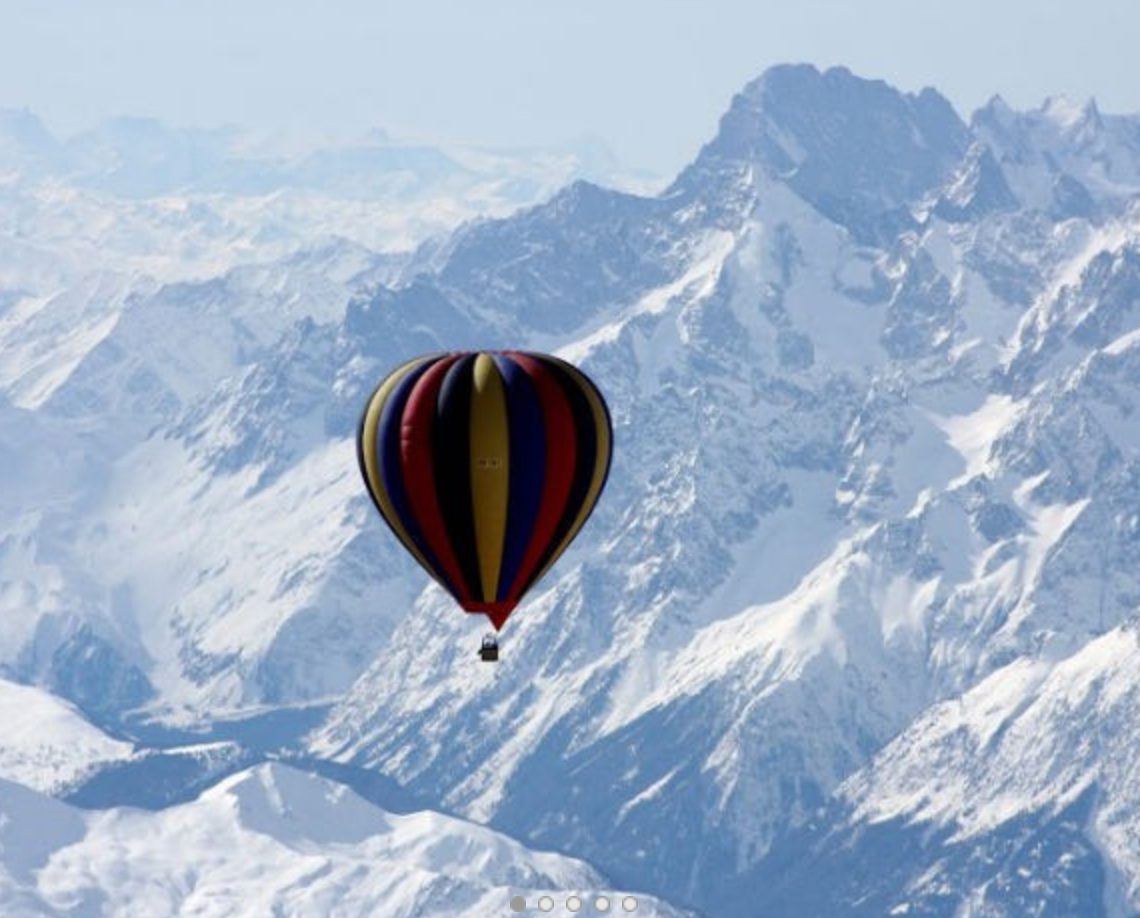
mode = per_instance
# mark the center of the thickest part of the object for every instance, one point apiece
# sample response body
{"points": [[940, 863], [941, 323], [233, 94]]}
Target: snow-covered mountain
{"points": [[134, 196], [859, 600], [273, 841]]}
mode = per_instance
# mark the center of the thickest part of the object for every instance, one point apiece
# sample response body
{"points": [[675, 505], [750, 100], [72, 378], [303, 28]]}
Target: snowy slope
{"points": [[1007, 747], [48, 745], [1017, 797], [272, 841]]}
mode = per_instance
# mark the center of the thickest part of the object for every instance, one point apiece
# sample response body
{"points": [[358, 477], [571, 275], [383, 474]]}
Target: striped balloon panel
{"points": [[486, 466]]}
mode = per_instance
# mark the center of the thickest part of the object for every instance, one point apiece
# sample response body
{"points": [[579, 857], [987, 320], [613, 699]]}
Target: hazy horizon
{"points": [[650, 79]]}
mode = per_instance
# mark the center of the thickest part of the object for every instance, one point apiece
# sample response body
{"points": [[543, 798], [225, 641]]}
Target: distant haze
{"points": [[650, 77]]}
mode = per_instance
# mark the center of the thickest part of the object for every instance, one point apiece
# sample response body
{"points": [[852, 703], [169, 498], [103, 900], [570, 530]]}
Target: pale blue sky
{"points": [[651, 77]]}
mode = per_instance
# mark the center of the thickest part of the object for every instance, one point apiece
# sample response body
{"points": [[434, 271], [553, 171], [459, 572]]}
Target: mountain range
{"points": [[849, 633]]}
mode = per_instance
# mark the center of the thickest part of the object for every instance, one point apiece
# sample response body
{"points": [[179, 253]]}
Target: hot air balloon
{"points": [[485, 465]]}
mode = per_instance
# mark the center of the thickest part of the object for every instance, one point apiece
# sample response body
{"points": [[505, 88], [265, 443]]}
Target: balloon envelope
{"points": [[485, 466]]}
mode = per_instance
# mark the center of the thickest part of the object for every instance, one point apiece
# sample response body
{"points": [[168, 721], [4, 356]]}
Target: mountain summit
{"points": [[857, 150]]}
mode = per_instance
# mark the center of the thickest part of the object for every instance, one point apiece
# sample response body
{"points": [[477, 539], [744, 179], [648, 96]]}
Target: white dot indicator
{"points": [[629, 903], [573, 903], [602, 904], [546, 904]]}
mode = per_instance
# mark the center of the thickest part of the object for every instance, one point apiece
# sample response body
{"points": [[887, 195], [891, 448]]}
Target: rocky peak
{"points": [[858, 150]]}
